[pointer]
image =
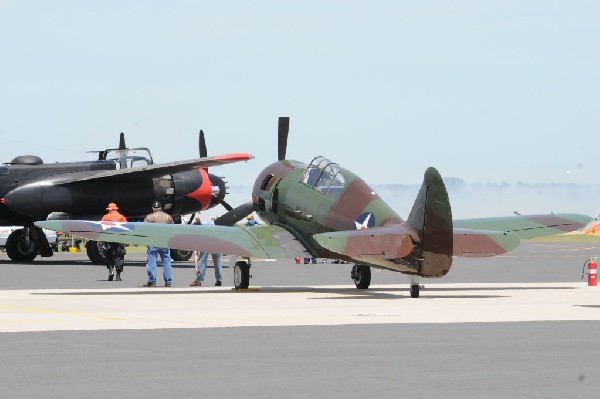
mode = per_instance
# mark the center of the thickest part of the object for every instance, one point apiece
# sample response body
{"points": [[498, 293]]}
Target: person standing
{"points": [[201, 261], [113, 252], [158, 216]]}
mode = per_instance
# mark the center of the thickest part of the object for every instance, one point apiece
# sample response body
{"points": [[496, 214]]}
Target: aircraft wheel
{"points": [[181, 255], [91, 248], [361, 275], [414, 290], [19, 249], [241, 275]]}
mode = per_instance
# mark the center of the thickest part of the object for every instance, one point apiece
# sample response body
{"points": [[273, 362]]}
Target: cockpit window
{"points": [[3, 170], [324, 176], [129, 157]]}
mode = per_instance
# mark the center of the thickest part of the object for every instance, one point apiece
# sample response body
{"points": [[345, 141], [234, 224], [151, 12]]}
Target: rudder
{"points": [[431, 219]]}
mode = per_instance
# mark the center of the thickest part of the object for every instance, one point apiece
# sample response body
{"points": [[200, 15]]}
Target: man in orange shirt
{"points": [[113, 252]]}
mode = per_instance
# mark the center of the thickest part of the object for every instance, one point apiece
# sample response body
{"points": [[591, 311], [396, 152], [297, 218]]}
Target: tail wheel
{"points": [[241, 275], [414, 290], [181, 255], [21, 248], [361, 275]]}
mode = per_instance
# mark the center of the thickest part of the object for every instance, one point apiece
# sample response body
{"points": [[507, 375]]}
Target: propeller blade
{"points": [[202, 143], [283, 129], [235, 215], [122, 141]]}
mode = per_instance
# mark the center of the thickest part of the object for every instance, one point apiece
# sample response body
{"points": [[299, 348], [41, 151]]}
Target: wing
{"points": [[154, 170], [256, 242], [495, 236]]}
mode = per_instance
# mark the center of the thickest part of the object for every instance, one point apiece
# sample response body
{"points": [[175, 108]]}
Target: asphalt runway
{"points": [[522, 325]]}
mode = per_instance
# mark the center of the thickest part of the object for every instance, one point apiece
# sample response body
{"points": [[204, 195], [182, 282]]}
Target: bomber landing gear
{"points": [[361, 275], [241, 275], [20, 246], [91, 248], [181, 255]]}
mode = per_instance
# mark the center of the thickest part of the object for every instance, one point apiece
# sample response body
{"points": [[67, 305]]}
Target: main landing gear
{"points": [[181, 255], [23, 245], [361, 275], [241, 274]]}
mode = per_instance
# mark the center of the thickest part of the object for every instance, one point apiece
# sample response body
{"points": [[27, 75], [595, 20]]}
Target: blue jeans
{"points": [[165, 256], [203, 260]]}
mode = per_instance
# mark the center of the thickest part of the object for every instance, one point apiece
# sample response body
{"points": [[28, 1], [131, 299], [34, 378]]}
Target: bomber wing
{"points": [[154, 170], [256, 242]]}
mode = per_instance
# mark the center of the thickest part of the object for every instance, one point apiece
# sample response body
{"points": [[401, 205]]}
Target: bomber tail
{"points": [[431, 221]]}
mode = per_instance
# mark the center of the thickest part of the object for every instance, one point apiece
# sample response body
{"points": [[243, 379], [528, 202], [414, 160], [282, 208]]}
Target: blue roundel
{"points": [[365, 220]]}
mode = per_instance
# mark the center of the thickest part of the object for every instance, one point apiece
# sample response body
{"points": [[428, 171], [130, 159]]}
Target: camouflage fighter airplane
{"points": [[322, 210]]}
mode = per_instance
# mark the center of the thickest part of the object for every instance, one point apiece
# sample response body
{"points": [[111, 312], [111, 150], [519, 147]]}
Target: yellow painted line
{"points": [[48, 311]]}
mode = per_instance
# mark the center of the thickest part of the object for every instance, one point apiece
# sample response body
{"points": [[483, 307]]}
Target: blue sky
{"points": [[483, 90]]}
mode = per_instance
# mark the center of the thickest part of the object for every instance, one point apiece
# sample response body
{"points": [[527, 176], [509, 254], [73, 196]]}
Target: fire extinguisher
{"points": [[592, 271]]}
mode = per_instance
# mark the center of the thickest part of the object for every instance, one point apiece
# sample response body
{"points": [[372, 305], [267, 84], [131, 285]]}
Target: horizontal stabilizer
{"points": [[480, 243], [527, 226], [379, 242]]}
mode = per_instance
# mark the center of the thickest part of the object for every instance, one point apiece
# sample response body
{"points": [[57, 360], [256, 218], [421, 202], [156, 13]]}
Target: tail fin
{"points": [[431, 220]]}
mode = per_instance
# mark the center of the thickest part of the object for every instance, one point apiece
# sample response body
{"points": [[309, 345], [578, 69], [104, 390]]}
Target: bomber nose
{"points": [[38, 200]]}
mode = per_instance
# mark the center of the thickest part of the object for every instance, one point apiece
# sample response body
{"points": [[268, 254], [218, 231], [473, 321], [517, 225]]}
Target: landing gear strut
{"points": [[361, 275]]}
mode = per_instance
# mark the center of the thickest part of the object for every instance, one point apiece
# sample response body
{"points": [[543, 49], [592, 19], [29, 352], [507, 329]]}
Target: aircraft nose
{"points": [[38, 200]]}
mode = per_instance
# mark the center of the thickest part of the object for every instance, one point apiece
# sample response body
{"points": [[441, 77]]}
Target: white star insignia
{"points": [[108, 225], [364, 224]]}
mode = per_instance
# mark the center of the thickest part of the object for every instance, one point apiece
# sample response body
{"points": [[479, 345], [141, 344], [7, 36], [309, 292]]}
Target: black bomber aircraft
{"points": [[31, 190], [322, 210]]}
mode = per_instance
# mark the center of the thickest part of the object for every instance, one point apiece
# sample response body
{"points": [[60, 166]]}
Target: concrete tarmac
{"points": [[522, 325]]}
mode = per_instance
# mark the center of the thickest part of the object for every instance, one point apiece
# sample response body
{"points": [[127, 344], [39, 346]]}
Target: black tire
{"points": [[181, 255], [17, 248], [361, 275], [241, 275], [91, 248], [414, 290]]}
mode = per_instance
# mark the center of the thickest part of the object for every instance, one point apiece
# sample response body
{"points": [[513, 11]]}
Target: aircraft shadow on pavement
{"points": [[176, 265], [497, 288], [344, 293]]}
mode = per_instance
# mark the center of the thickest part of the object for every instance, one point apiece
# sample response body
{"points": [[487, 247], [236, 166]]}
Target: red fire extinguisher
{"points": [[592, 272]]}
